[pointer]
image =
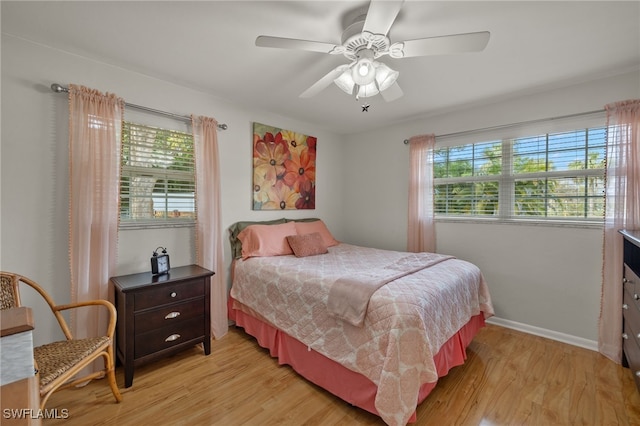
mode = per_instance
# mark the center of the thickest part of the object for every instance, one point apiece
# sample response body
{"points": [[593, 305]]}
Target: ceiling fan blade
{"points": [[445, 45], [381, 15], [392, 93], [324, 82], [292, 43]]}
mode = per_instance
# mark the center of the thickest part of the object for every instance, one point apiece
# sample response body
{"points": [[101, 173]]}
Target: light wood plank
{"points": [[509, 378], [20, 401]]}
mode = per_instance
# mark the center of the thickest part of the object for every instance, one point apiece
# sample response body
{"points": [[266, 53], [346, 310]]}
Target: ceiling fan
{"points": [[366, 40]]}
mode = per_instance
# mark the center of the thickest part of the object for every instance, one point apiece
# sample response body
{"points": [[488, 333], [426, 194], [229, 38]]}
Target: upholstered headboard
{"points": [[236, 228]]}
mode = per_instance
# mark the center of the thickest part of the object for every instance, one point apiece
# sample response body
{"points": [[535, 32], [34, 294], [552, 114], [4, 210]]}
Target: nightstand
{"points": [[159, 315], [631, 303]]}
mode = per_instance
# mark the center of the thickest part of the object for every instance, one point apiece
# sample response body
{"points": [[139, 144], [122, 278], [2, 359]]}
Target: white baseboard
{"points": [[543, 332]]}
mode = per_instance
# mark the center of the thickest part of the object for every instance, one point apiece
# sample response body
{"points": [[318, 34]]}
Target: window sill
{"points": [[526, 222]]}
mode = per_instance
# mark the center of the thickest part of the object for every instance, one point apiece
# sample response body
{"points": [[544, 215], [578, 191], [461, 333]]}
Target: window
{"points": [[555, 176], [157, 184]]}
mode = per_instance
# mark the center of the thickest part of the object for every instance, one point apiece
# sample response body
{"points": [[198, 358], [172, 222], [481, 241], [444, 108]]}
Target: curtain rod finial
{"points": [[57, 88], [223, 126]]}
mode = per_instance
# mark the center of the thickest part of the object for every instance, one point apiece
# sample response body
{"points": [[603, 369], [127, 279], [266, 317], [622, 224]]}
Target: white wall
{"points": [[542, 277], [34, 165], [545, 277]]}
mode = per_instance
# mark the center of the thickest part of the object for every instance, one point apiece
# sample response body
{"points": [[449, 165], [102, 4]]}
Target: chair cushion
{"points": [[55, 358]]}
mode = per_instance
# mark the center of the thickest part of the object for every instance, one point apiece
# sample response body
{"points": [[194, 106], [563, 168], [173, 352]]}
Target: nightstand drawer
{"points": [[171, 293], [632, 283], [168, 315], [169, 336], [630, 309], [632, 351]]}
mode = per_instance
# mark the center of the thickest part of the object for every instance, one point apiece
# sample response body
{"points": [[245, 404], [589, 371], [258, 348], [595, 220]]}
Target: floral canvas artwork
{"points": [[284, 169]]}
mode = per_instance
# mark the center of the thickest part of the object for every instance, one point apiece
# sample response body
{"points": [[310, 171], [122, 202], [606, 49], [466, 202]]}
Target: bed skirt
{"points": [[346, 384]]}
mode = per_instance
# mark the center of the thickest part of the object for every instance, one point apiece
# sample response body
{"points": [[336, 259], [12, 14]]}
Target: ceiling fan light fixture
{"points": [[385, 76], [345, 82], [364, 68], [367, 90], [381, 78], [363, 72]]}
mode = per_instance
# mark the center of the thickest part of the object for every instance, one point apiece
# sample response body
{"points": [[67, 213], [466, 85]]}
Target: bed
{"points": [[374, 327]]}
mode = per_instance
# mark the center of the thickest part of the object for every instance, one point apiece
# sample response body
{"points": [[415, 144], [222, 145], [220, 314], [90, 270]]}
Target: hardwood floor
{"points": [[510, 378]]}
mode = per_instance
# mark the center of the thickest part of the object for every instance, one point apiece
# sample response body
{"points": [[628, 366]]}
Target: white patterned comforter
{"points": [[406, 323]]}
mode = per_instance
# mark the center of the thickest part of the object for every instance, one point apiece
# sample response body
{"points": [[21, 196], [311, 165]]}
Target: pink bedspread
{"points": [[349, 295], [407, 320]]}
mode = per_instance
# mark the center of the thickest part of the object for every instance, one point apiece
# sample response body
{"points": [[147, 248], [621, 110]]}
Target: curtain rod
{"points": [[505, 126], [59, 89]]}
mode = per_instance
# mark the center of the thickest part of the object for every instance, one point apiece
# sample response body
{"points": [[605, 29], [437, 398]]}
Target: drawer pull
{"points": [[635, 296], [172, 338], [174, 294], [625, 336], [637, 373], [172, 315], [625, 306], [624, 281]]}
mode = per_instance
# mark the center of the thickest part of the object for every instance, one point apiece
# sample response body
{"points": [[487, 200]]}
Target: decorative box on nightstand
{"points": [[159, 315]]}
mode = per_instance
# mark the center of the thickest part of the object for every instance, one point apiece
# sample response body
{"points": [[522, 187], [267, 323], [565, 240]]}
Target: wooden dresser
{"points": [[159, 315], [631, 303]]}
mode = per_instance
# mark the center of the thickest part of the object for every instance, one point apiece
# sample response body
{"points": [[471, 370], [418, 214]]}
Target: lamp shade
{"points": [[368, 90], [345, 82], [385, 76]]}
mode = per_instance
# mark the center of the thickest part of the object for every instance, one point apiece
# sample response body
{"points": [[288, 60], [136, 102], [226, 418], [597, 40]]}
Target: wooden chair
{"points": [[58, 363]]}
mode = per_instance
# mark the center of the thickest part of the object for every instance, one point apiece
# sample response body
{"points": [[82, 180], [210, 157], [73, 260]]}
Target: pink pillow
{"points": [[266, 240], [318, 226], [307, 245]]}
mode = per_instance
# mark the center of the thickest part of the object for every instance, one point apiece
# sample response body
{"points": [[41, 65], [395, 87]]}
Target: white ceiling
{"points": [[210, 46]]}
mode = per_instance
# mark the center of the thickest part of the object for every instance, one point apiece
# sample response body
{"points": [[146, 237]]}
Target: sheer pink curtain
{"points": [[209, 252], [622, 198], [421, 228], [95, 122]]}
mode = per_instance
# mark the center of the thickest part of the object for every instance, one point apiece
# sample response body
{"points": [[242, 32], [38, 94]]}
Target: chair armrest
{"points": [[106, 303], [113, 314]]}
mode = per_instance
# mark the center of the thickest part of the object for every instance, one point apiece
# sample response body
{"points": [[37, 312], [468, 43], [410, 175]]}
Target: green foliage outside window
{"points": [[158, 175], [548, 176]]}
